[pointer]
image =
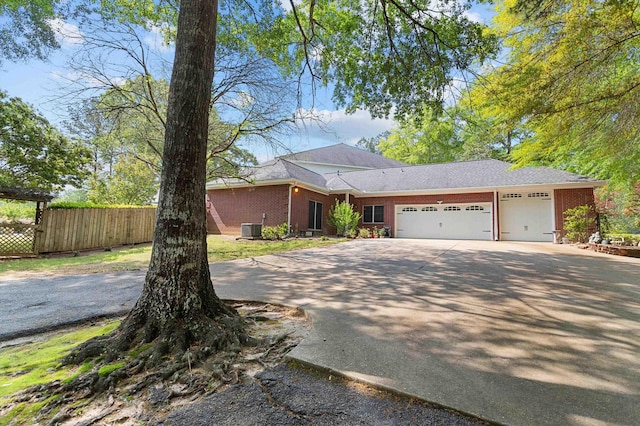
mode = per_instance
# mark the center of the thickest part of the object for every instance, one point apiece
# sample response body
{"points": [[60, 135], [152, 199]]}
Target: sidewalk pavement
{"points": [[515, 333]]}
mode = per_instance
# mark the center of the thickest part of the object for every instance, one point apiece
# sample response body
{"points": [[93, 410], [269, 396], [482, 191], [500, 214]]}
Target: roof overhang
{"points": [[291, 182], [358, 193], [437, 191]]}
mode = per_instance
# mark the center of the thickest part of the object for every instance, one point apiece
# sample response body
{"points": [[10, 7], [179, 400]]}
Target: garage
{"points": [[471, 221], [526, 216]]}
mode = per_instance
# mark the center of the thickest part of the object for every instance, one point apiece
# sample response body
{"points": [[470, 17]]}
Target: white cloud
{"points": [[67, 34], [338, 126], [474, 16], [155, 37]]}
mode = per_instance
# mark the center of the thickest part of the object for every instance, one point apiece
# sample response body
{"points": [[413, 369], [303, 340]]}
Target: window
{"points": [[511, 195], [373, 214], [315, 215], [537, 194], [452, 209], [409, 209], [429, 209], [474, 208]]}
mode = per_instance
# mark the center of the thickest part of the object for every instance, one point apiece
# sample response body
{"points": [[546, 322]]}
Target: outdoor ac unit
{"points": [[251, 230]]}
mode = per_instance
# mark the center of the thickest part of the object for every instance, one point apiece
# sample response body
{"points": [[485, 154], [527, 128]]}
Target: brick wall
{"points": [[566, 199], [227, 209], [389, 204], [300, 210]]}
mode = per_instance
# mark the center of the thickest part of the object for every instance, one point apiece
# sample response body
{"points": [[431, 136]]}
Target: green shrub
{"points": [[274, 232], [364, 233], [343, 217], [89, 205], [17, 211], [577, 222]]}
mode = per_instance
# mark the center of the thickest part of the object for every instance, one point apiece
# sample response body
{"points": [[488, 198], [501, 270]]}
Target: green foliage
{"points": [[26, 28], [90, 205], [383, 55], [364, 233], [343, 217], [571, 83], [274, 232], [577, 222], [34, 154], [17, 211], [133, 183], [424, 139]]}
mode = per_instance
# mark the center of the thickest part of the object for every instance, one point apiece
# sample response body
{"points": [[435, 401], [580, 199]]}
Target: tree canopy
{"points": [[572, 81], [27, 28], [33, 153]]}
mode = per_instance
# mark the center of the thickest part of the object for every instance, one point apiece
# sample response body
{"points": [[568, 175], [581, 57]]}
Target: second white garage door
{"points": [[446, 221]]}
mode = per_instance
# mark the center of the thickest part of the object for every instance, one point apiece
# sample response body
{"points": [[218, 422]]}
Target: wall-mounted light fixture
{"points": [[439, 201], [296, 189]]}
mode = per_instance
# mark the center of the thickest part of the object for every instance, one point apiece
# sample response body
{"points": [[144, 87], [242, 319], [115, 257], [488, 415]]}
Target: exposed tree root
{"points": [[167, 369]]}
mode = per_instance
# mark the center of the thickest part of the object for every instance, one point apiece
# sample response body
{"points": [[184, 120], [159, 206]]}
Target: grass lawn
{"points": [[37, 363], [220, 248]]}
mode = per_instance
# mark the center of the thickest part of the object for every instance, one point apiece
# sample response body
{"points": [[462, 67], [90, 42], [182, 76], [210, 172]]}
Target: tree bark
{"points": [[178, 309]]}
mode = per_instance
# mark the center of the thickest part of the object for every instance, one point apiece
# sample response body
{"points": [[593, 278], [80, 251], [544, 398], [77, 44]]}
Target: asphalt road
{"points": [[31, 305]]}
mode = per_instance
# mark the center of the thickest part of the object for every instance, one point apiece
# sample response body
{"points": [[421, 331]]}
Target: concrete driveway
{"points": [[516, 333]]}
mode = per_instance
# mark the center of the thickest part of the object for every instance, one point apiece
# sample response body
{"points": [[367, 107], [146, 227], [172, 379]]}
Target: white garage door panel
{"points": [[447, 221], [526, 216]]}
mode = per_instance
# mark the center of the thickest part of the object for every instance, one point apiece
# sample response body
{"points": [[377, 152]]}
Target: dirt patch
{"points": [[281, 328]]}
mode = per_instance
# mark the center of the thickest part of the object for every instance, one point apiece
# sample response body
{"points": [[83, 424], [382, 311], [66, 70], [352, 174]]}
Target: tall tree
{"points": [[178, 306], [178, 309], [431, 139], [35, 154], [572, 81]]}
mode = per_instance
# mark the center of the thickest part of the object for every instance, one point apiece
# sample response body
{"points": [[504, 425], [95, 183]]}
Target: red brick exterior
{"points": [[566, 199], [300, 210], [389, 204], [227, 209]]}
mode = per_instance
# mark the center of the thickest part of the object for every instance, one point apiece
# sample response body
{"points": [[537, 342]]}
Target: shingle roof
{"points": [[405, 178], [469, 174], [279, 169], [343, 154]]}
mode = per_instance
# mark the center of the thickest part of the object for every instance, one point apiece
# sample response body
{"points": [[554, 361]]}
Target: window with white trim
{"points": [[537, 194], [373, 214], [409, 209], [511, 195], [469, 208], [452, 209], [429, 209]]}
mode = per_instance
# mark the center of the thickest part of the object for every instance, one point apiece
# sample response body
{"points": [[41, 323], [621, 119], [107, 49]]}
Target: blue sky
{"points": [[41, 84]]}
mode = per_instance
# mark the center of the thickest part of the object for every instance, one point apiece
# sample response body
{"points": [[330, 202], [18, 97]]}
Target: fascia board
{"points": [[291, 182], [568, 185], [248, 184]]}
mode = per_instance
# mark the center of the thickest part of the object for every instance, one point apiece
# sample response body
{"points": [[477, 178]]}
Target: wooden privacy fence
{"points": [[78, 229]]}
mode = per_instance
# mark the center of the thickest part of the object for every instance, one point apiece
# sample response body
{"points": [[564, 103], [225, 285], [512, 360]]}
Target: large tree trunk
{"points": [[178, 308]]}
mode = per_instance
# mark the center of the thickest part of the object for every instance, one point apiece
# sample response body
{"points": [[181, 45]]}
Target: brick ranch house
{"points": [[478, 200]]}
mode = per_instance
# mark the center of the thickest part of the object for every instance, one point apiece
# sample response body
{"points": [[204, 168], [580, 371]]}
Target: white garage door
{"points": [[446, 221], [526, 216]]}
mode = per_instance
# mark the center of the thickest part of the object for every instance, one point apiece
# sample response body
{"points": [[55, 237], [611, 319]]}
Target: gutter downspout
{"points": [[289, 209], [496, 235]]}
